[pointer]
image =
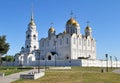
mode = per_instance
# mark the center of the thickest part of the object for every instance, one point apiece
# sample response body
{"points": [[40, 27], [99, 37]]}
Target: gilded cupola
{"points": [[88, 28], [72, 21], [51, 29], [32, 23]]}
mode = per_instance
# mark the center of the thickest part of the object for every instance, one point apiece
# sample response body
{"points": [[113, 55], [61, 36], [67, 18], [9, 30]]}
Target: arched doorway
{"points": [[49, 57]]}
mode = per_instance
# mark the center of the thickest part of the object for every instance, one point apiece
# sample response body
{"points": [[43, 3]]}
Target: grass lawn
{"points": [[10, 70], [76, 75]]}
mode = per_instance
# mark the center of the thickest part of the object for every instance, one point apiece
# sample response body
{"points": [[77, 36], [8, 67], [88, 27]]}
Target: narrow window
{"points": [[67, 41], [34, 36], [60, 41], [28, 36]]}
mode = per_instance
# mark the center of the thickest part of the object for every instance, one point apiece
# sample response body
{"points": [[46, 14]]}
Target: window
{"points": [[54, 43], [60, 41], [67, 41], [28, 36], [42, 44], [27, 46], [47, 43], [34, 47], [67, 57], [34, 36], [88, 42]]}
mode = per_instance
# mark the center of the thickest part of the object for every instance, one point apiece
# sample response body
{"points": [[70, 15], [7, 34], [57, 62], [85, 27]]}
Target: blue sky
{"points": [[104, 17]]}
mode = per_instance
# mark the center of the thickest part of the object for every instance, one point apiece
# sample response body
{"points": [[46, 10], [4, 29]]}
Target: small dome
{"points": [[31, 23], [51, 29], [72, 21], [64, 32], [88, 28]]}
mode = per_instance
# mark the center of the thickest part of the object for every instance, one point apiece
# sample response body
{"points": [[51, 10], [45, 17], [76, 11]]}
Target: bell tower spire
{"points": [[31, 42], [32, 15], [32, 23]]}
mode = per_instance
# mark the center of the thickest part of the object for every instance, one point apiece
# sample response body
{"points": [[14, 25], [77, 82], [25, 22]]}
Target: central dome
{"points": [[72, 21]]}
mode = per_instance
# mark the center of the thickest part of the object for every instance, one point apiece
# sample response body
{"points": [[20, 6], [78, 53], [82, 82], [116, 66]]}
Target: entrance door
{"points": [[49, 57]]}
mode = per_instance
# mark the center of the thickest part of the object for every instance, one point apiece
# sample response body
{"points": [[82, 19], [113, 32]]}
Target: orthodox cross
{"points": [[88, 23], [51, 24]]}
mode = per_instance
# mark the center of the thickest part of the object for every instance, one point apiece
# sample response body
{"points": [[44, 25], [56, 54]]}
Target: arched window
{"points": [[67, 57], [47, 43], [34, 47], [27, 46], [60, 41], [67, 41], [34, 36], [28, 36]]}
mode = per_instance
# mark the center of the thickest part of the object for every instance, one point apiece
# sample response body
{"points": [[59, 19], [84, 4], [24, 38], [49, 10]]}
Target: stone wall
{"points": [[80, 62]]}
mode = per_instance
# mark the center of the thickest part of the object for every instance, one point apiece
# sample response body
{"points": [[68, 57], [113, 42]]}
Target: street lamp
{"points": [[106, 62], [70, 61], [111, 61], [38, 52], [55, 51], [45, 62]]}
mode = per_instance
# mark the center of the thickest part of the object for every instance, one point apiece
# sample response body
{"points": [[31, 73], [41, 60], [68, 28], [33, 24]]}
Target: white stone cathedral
{"points": [[68, 45]]}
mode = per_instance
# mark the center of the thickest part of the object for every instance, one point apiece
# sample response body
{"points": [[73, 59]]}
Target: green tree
{"points": [[8, 58], [4, 47]]}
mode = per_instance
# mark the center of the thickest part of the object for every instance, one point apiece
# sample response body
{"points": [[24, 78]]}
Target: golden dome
{"points": [[31, 23], [75, 23], [64, 32], [88, 28], [51, 29], [72, 21]]}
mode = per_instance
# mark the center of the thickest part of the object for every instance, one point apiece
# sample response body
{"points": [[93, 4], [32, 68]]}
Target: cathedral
{"points": [[70, 44]]}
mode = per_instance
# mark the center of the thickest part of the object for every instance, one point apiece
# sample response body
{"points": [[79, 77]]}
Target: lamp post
{"points": [[111, 61], [45, 62], [70, 61], [106, 62], [55, 51], [38, 52]]}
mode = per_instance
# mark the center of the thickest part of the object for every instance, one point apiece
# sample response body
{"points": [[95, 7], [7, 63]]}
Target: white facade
{"points": [[69, 48], [70, 44], [27, 53]]}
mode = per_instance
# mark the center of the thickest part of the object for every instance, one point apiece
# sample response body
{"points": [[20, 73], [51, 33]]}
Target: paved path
{"points": [[116, 71], [16, 76]]}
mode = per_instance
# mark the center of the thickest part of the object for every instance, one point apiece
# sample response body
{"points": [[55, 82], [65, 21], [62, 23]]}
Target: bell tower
{"points": [[31, 42]]}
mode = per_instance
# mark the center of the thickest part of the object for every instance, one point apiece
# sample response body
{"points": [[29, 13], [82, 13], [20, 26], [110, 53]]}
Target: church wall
{"points": [[82, 47], [79, 62], [61, 46]]}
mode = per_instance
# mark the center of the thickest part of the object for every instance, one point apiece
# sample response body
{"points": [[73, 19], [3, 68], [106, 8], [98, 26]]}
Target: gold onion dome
{"points": [[88, 28], [64, 32], [51, 29], [72, 21], [31, 23]]}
